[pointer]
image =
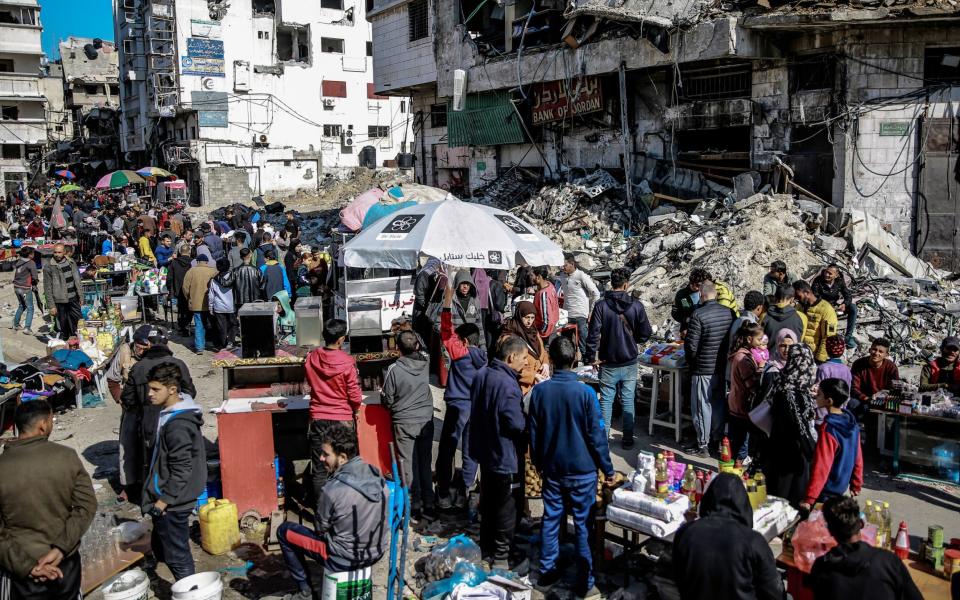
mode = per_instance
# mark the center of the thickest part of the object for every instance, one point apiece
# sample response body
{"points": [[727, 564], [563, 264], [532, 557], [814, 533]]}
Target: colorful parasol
{"points": [[119, 179], [65, 174], [154, 172], [70, 187]]}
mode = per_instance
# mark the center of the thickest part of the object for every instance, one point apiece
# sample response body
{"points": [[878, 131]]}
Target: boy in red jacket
{"points": [[335, 394], [837, 460]]}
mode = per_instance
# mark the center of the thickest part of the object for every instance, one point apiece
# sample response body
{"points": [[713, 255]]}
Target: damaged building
{"points": [[852, 105], [91, 103], [258, 97]]}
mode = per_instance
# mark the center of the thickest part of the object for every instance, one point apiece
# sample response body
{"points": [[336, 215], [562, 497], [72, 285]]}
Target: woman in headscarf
{"points": [[521, 325], [793, 436]]}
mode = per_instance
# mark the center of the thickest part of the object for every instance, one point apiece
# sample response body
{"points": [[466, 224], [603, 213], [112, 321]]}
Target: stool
{"points": [[675, 399]]}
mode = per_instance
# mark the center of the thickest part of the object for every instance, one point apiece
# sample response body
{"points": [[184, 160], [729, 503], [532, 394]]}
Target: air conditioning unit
{"points": [[459, 89], [328, 102], [346, 138], [261, 141]]}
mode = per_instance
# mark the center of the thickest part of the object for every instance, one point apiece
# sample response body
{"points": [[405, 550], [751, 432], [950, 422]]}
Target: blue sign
{"points": [[204, 57], [213, 118], [204, 48]]}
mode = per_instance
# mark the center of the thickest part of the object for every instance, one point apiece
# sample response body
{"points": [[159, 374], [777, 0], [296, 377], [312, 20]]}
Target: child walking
{"points": [[837, 460], [746, 364]]}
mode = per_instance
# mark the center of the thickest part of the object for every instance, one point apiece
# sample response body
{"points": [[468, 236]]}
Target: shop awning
{"points": [[486, 120]]}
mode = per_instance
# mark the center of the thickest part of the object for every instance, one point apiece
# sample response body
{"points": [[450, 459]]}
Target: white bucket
{"points": [[132, 585], [202, 586], [349, 585]]}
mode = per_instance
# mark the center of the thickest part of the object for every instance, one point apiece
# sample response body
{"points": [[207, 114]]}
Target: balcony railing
{"points": [[20, 84]]}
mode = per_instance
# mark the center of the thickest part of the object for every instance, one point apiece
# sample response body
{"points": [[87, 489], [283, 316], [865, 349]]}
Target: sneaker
{"points": [[593, 592], [28, 331], [198, 351], [444, 503], [547, 580], [701, 452], [627, 444], [852, 343], [460, 500], [16, 328], [691, 446]]}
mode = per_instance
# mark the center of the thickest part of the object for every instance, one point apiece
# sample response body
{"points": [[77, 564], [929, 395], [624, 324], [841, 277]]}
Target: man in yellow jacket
{"points": [[821, 319]]}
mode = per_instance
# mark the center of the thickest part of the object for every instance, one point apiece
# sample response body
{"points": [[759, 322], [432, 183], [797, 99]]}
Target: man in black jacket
{"points": [[688, 298], [176, 272], [178, 470], [619, 322], [720, 556], [830, 286], [705, 347], [247, 280], [136, 389], [854, 569]]}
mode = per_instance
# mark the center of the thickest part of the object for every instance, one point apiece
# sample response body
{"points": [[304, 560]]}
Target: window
{"points": [[328, 106], [418, 19], [717, 82], [193, 132], [942, 65], [114, 89], [18, 16], [334, 4], [293, 43], [92, 90], [333, 89], [263, 35], [403, 106], [813, 72], [438, 115], [369, 48], [264, 7], [129, 46], [372, 93], [332, 130], [9, 113], [11, 151], [331, 45], [6, 65], [378, 131]]}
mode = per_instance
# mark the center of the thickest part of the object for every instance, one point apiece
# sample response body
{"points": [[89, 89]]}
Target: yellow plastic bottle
{"points": [[219, 526]]}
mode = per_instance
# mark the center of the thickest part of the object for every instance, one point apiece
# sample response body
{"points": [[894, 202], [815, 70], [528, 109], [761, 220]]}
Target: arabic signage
{"points": [[894, 128], [213, 118], [204, 57], [550, 101], [205, 29]]}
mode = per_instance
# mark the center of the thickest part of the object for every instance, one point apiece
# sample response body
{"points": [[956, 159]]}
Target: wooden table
{"points": [[931, 585], [130, 554], [675, 399]]}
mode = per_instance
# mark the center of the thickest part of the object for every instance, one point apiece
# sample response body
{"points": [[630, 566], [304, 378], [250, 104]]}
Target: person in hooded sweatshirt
{"points": [[837, 459], [466, 358], [212, 241], [783, 315], [853, 568], [465, 307], [178, 470], [24, 284], [274, 276], [177, 272], [406, 394], [352, 516], [335, 394], [222, 306], [720, 556], [619, 322]]}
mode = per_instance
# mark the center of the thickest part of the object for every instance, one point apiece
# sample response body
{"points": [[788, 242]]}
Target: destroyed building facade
{"points": [[256, 97], [853, 104]]}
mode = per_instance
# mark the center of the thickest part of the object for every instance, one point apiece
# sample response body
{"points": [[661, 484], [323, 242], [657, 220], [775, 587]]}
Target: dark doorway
{"points": [[811, 157], [939, 202]]}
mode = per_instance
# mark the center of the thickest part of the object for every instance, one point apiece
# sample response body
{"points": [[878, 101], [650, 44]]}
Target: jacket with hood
{"points": [[274, 279], [177, 272], [221, 293], [466, 309], [609, 339], [859, 570], [427, 288], [708, 338], [406, 389], [215, 244], [546, 307], [178, 465], [821, 324], [46, 500], [835, 293], [196, 287], [567, 435], [496, 418], [465, 360], [783, 317], [247, 284], [837, 459], [684, 303], [580, 293], [24, 274], [164, 255], [352, 516], [771, 285], [720, 556], [334, 385]]}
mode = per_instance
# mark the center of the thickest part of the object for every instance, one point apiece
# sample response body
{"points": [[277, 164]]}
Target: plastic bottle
{"points": [[902, 547], [689, 488], [701, 484], [761, 482], [663, 485], [725, 454], [752, 494], [887, 524], [883, 536]]}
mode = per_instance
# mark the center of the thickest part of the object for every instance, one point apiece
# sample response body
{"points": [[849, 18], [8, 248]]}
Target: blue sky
{"points": [[82, 18]]}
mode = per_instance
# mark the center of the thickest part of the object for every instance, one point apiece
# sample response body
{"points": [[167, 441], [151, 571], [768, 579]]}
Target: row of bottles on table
{"points": [[878, 515]]}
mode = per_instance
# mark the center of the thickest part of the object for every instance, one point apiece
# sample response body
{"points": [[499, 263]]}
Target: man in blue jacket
{"points": [[618, 324], [496, 424], [568, 446]]}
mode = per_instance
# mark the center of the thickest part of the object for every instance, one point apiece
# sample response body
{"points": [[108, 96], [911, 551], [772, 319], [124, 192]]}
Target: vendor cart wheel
{"points": [[250, 520]]}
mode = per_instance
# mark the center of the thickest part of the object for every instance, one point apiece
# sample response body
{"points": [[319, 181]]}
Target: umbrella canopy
{"points": [[70, 187], [154, 172], [459, 234], [65, 174], [118, 179]]}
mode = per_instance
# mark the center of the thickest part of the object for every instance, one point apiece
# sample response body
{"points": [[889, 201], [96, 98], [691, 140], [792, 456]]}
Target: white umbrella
{"points": [[459, 234]]}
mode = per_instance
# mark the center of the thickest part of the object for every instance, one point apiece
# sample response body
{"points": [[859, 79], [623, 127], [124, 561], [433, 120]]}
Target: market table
{"points": [[675, 399], [898, 418], [931, 585], [167, 309], [94, 574]]}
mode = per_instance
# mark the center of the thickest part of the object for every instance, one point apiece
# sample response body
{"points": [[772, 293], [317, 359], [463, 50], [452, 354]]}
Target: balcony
{"points": [[20, 39], [24, 131], [133, 142], [20, 86]]}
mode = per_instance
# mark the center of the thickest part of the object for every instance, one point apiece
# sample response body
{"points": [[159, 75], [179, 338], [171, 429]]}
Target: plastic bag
{"points": [[464, 572], [444, 558], [811, 541]]}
